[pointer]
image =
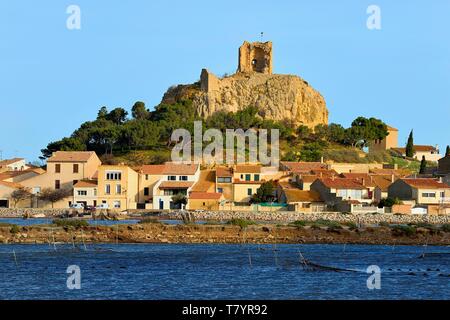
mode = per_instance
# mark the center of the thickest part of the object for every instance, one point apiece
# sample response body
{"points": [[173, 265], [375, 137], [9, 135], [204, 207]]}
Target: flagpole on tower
{"points": [[262, 34]]}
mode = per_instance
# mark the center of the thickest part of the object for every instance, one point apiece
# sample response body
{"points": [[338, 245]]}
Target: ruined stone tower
{"points": [[255, 57]]}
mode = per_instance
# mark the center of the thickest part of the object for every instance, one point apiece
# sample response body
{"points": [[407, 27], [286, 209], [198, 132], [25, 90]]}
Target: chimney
{"points": [[392, 177], [363, 181], [321, 159]]}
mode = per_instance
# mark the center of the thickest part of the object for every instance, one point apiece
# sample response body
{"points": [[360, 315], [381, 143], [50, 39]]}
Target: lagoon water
{"points": [[200, 271]]}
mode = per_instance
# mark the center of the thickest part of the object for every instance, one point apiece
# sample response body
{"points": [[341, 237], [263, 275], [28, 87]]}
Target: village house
{"points": [[224, 182], [389, 142], [85, 192], [299, 200], [420, 191], [64, 170], [177, 178], [6, 189], [205, 200], [246, 181], [149, 176], [429, 152], [117, 187], [340, 192], [376, 185], [15, 164]]}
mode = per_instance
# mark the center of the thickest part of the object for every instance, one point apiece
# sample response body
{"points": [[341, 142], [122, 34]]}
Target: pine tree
{"points": [[423, 165], [410, 145], [447, 151]]}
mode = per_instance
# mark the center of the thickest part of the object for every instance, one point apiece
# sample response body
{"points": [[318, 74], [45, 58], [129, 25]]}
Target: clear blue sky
{"points": [[52, 79]]}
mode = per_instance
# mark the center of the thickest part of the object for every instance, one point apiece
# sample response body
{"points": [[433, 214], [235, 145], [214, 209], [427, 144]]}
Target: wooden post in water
{"points": [[15, 258]]}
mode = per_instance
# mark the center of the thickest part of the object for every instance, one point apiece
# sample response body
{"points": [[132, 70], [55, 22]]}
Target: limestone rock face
{"points": [[277, 97]]}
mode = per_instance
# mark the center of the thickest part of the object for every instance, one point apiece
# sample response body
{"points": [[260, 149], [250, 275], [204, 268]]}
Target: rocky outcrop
{"points": [[277, 97]]}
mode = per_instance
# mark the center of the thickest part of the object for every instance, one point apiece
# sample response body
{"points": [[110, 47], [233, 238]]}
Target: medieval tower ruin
{"points": [[255, 57]]}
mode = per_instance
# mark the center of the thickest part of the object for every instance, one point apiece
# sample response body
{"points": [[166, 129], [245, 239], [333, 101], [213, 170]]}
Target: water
{"points": [[149, 271]]}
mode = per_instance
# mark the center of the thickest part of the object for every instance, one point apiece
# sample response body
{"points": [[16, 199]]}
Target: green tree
{"points": [[265, 193], [423, 165], [303, 132], [139, 111], [364, 130], [410, 145], [447, 151], [335, 133], [102, 113], [117, 115], [179, 199]]}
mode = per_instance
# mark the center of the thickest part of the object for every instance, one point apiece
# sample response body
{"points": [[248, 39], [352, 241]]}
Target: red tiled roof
{"points": [[205, 195], [342, 183], [13, 185], [224, 172], [86, 184], [420, 148], [176, 184], [153, 169], [10, 161], [426, 183], [248, 168], [71, 156]]}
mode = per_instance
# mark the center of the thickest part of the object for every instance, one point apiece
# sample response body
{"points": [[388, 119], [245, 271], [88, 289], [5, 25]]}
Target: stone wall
{"points": [[19, 212], [289, 216]]}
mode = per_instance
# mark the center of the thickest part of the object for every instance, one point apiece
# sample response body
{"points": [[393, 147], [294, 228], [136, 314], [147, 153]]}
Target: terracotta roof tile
{"points": [[176, 184], [224, 172], [426, 183], [10, 161], [12, 185], [342, 183], [86, 184], [71, 156], [303, 166], [155, 169], [248, 168]]}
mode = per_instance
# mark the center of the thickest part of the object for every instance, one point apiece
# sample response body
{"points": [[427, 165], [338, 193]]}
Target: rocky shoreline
{"points": [[222, 233]]}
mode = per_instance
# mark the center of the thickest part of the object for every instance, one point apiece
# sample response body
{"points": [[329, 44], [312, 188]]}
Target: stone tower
{"points": [[255, 57]]}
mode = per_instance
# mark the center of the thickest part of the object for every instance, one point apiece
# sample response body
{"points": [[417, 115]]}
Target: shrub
{"points": [[243, 223], [384, 224], [446, 227], [14, 229], [351, 225], [298, 223], [403, 230], [328, 223], [75, 223]]}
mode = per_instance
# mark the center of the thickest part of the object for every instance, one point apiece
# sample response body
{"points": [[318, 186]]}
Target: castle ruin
{"points": [[255, 57]]}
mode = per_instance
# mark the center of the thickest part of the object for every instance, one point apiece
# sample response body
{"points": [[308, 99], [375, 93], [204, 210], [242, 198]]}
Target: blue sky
{"points": [[52, 79]]}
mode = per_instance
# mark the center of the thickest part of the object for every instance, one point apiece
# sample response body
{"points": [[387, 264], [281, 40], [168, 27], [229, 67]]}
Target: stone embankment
{"points": [[278, 216]]}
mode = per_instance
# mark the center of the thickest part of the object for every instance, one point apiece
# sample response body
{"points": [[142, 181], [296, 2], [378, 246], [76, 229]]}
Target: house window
{"points": [[242, 176], [429, 194], [172, 178], [108, 189], [57, 168], [256, 177], [75, 168], [146, 177], [118, 189], [249, 192], [146, 191], [57, 184], [183, 178], [82, 192], [113, 175], [220, 190], [442, 195], [95, 192], [248, 177], [224, 179]]}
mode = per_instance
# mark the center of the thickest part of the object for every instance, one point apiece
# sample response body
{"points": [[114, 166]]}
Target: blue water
{"points": [[37, 221], [149, 271]]}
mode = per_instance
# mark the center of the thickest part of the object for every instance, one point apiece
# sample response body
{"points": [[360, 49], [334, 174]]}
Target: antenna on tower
{"points": [[262, 35]]}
